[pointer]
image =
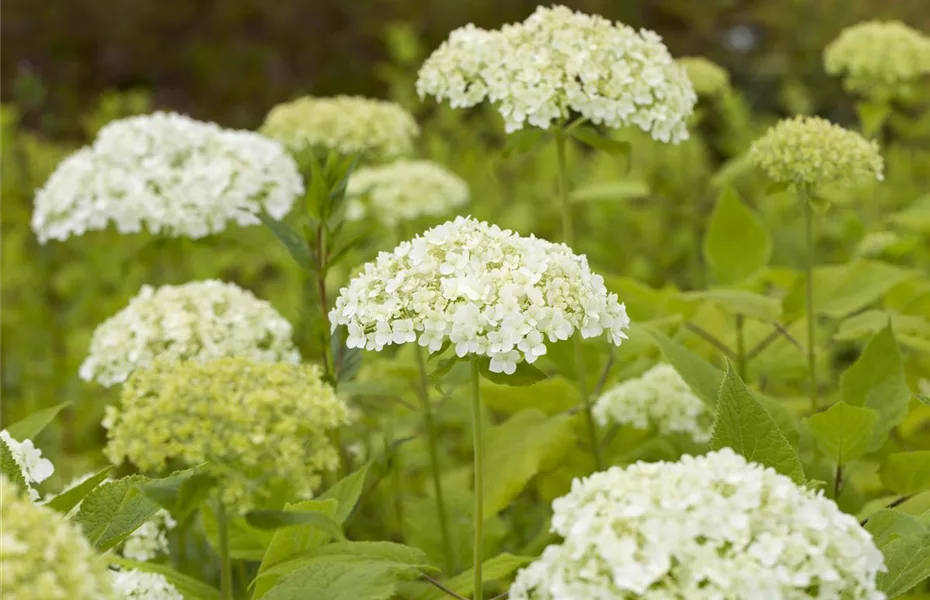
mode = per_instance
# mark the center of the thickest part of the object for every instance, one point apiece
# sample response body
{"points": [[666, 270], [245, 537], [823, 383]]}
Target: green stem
{"points": [[222, 527], [479, 479], [740, 348], [568, 234], [432, 439], [809, 296]]}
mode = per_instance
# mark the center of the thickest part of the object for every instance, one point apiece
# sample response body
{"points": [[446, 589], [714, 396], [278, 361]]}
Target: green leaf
{"points": [[71, 497], [844, 432], [276, 519], [737, 302], [10, 469], [295, 243], [552, 396], [906, 473], [405, 559], [526, 374], [590, 137], [522, 142], [336, 581], [346, 492], [737, 244], [180, 493], [701, 376], [516, 450], [245, 542], [115, 509], [876, 380], [494, 569], [869, 322], [872, 115], [743, 425], [623, 189], [31, 426], [840, 290], [190, 588], [905, 542]]}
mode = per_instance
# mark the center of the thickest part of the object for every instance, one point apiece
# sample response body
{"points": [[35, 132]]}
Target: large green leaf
{"points": [[180, 493], [744, 425], [31, 426], [841, 290], [346, 492], [405, 559], [737, 244], [526, 374], [876, 380], [552, 396], [844, 432], [591, 137], [245, 542], [190, 588], [337, 581], [115, 509], [494, 569], [738, 302], [701, 376], [276, 519], [295, 243], [10, 469], [71, 497], [907, 473], [517, 449], [905, 542]]}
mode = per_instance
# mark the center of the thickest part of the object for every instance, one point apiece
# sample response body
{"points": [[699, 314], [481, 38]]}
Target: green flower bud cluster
{"points": [[707, 78], [878, 59], [258, 426], [45, 557], [810, 152]]}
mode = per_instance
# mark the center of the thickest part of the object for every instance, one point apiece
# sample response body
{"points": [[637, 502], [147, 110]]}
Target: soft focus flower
{"points": [[558, 61], [150, 540], [345, 124], [257, 425], [45, 557], [658, 397], [708, 79], [489, 292], [28, 458], [404, 190], [810, 151], [707, 527], [133, 584], [199, 320], [876, 243], [878, 58], [169, 174]]}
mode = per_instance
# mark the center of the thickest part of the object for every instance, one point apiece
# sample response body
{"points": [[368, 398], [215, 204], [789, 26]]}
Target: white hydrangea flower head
{"points": [[169, 174], [485, 290], [557, 62], [34, 467], [150, 540], [658, 397], [345, 124], [702, 528], [200, 320], [404, 190], [878, 58], [133, 584]]}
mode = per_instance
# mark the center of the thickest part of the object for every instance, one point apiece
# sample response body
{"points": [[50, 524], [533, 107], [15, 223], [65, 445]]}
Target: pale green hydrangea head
{"points": [[708, 78], [810, 152], [878, 59], [44, 556], [344, 124], [404, 190], [257, 425]]}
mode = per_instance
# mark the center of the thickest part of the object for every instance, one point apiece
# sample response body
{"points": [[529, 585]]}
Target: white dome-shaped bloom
{"points": [[558, 61], [488, 291], [28, 458], [404, 190], [169, 174], [150, 540], [702, 528], [658, 397], [133, 584], [200, 320]]}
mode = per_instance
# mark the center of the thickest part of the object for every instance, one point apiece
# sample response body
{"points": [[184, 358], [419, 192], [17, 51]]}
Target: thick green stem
{"points": [[433, 442], [479, 479], [809, 296], [740, 348], [568, 234], [222, 528]]}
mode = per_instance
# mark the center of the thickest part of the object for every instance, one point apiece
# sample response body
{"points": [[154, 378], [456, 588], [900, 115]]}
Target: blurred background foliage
{"points": [[70, 66]]}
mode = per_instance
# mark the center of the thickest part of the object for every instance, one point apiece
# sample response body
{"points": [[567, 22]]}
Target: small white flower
{"points": [[34, 467], [150, 540], [140, 585]]}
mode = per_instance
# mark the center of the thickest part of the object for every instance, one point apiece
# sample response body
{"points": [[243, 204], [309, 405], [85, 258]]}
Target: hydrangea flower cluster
{"points": [[150, 540], [133, 584], [28, 458], [487, 291], [708, 78], [659, 397], [703, 528], [199, 320], [404, 190], [878, 58], [257, 425], [558, 61], [44, 555], [810, 151], [345, 124], [169, 174]]}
